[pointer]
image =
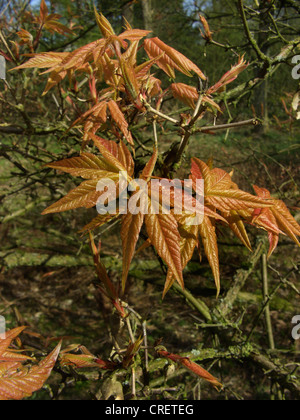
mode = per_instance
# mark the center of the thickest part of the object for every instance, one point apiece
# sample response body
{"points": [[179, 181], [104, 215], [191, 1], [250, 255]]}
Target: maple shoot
{"points": [[133, 92], [116, 92]]}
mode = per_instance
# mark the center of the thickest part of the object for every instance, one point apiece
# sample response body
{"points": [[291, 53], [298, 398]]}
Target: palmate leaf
{"points": [[50, 21], [221, 193], [132, 224], [115, 158], [85, 195], [59, 64], [82, 55], [117, 155], [93, 168], [94, 118]]}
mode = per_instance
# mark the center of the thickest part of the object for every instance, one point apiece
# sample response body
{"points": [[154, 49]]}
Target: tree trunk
{"points": [[147, 14]]}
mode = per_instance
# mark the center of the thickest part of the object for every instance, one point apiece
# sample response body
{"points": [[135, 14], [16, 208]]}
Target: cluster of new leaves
{"points": [[18, 379], [129, 87], [43, 21]]}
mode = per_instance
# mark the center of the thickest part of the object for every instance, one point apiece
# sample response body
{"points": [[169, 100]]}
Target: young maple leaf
{"points": [[207, 35], [51, 22], [11, 355], [188, 242], [236, 224], [80, 361], [93, 168], [189, 95], [171, 59], [229, 76], [132, 224], [276, 219], [221, 194], [18, 381], [192, 366], [130, 232]]}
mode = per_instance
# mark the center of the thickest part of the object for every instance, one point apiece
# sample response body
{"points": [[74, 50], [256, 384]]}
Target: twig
{"points": [[155, 134], [253, 121], [160, 114], [129, 329], [146, 345], [265, 299], [7, 47]]}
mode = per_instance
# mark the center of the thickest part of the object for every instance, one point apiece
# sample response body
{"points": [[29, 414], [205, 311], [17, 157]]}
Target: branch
{"points": [[15, 129], [160, 114], [252, 41], [253, 121]]}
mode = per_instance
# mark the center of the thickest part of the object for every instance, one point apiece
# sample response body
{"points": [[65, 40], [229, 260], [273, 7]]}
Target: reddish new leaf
{"points": [[119, 118], [44, 60], [17, 381], [163, 233], [117, 155], [188, 242], [192, 366], [221, 193], [130, 231], [276, 219], [209, 239], [236, 224], [85, 195], [171, 60], [87, 166]]}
